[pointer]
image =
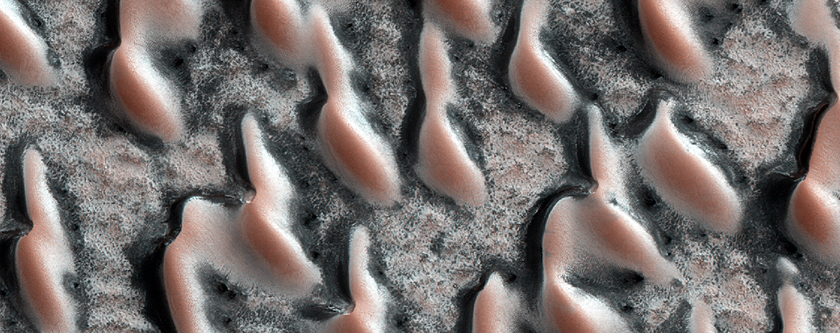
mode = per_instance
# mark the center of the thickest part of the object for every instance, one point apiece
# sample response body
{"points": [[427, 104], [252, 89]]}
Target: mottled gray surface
{"points": [[118, 189]]}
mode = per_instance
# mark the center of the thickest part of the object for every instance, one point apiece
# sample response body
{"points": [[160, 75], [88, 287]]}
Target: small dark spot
{"points": [[437, 244], [633, 278], [457, 58], [76, 285], [648, 199], [380, 272], [621, 48], [704, 236], [401, 320], [706, 14], [263, 67], [309, 219], [37, 23], [192, 48], [227, 320], [735, 7], [612, 125], [178, 62], [74, 227], [315, 255], [594, 96], [687, 120], [626, 307], [2, 292], [53, 59], [223, 289], [715, 41], [511, 278]]}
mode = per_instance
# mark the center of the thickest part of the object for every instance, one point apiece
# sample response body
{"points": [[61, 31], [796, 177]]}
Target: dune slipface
{"points": [[281, 24], [208, 239], [350, 147], [43, 258], [183, 287], [795, 309], [148, 100], [593, 224], [495, 308], [667, 30], [569, 310], [601, 226], [369, 298], [533, 75], [23, 54], [523, 166], [267, 219], [684, 178], [443, 162], [254, 243], [813, 212]]}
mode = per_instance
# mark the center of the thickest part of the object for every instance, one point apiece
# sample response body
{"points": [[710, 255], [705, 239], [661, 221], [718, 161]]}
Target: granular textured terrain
{"points": [[419, 166]]}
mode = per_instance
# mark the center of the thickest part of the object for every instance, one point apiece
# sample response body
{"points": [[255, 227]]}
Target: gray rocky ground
{"points": [[119, 190]]}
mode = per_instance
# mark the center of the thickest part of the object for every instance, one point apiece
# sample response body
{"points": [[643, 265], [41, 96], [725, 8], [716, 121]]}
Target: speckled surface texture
{"points": [[121, 189]]}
